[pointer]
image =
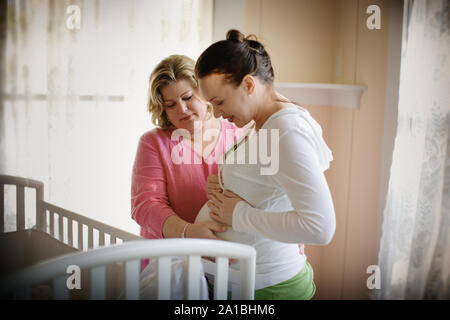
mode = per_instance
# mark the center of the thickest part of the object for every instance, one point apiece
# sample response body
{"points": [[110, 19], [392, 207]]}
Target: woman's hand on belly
{"points": [[212, 185], [222, 206], [204, 230]]}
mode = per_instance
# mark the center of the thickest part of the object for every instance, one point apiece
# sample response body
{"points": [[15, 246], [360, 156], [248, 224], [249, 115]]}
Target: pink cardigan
{"points": [[161, 188]]}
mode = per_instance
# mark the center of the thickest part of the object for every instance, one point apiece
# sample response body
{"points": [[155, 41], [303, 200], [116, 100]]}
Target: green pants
{"points": [[299, 287]]}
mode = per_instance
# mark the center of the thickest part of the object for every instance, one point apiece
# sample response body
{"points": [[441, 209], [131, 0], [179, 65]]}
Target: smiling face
{"points": [[229, 101], [183, 105]]}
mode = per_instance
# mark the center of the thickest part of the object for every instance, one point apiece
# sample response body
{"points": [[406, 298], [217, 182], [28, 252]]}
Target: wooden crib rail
{"points": [[65, 232], [20, 184], [75, 230], [81, 221], [132, 252]]}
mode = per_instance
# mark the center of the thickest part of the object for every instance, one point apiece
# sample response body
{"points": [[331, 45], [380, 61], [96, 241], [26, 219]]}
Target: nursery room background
{"points": [[74, 82]]}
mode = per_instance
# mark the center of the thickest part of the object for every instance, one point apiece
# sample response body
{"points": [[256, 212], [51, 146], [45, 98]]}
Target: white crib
{"points": [[35, 261]]}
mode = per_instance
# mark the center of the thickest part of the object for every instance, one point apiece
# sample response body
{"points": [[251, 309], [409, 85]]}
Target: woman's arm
{"points": [[313, 219], [149, 200]]}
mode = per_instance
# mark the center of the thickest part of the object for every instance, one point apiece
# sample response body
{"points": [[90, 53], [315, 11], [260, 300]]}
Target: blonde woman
{"points": [[174, 160]]}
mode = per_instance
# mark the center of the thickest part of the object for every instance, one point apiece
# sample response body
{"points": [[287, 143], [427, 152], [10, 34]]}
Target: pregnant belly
{"points": [[230, 234]]}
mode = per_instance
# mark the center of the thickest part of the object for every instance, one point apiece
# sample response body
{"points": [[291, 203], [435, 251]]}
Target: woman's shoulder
{"points": [[297, 123], [291, 118], [156, 136]]}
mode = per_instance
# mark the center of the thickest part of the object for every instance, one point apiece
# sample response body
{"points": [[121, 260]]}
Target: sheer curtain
{"points": [[73, 101], [414, 255]]}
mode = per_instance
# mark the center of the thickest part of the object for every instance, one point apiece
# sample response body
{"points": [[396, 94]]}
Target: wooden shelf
{"points": [[324, 94]]}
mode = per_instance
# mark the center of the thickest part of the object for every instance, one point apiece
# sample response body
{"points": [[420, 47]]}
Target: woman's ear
{"points": [[249, 83]]}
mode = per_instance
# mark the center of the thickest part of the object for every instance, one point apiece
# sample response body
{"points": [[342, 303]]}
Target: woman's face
{"points": [[182, 105], [229, 101]]}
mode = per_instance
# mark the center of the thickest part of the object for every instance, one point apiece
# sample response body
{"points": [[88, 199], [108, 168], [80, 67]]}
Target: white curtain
{"points": [[73, 102], [414, 257]]}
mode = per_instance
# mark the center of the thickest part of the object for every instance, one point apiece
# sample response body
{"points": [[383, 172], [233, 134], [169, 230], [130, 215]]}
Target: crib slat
{"points": [[101, 238], [235, 291], [98, 283], [20, 207], [61, 227], [44, 223], [52, 223], [40, 212], [132, 280], [70, 231], [164, 274], [2, 208], [194, 267], [80, 235], [60, 290], [90, 237], [221, 279]]}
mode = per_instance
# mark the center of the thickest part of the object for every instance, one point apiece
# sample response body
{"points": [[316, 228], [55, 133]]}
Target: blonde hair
{"points": [[169, 71]]}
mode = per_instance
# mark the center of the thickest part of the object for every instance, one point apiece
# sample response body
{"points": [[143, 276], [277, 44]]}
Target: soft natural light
{"points": [[76, 99]]}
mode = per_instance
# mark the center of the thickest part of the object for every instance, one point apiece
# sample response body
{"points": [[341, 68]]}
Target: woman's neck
{"points": [[211, 124], [268, 105]]}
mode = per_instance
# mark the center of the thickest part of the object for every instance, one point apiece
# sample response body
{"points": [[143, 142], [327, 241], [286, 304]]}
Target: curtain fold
{"points": [[74, 99], [414, 255]]}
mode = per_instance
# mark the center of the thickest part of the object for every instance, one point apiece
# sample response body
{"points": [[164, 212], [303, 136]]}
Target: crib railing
{"points": [[21, 184], [131, 252], [59, 222], [54, 218], [73, 229]]}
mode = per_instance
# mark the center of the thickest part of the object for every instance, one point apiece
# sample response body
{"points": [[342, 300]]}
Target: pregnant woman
{"points": [[276, 211]]}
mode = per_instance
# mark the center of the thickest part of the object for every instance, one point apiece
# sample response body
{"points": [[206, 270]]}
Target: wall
{"points": [[328, 41], [228, 14]]}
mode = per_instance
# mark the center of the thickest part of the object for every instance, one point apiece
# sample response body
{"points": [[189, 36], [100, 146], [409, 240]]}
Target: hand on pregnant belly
{"points": [[205, 214], [212, 185], [204, 229], [222, 206]]}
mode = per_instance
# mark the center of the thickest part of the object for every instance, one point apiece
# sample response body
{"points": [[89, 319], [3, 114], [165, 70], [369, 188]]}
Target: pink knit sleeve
{"points": [[149, 201]]}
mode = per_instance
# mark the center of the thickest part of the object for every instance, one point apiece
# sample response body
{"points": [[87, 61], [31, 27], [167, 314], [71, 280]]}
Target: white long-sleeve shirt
{"points": [[293, 205]]}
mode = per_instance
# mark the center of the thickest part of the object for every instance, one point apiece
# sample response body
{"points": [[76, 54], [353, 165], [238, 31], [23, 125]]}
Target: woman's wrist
{"points": [[183, 234], [173, 227]]}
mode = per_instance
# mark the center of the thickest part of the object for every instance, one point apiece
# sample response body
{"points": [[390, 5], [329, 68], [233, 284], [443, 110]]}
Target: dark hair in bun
{"points": [[236, 57], [235, 36]]}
